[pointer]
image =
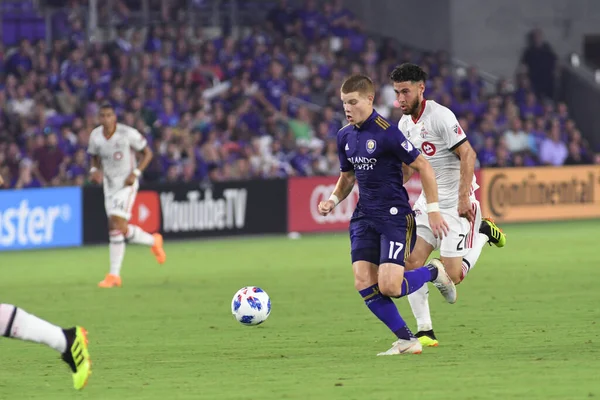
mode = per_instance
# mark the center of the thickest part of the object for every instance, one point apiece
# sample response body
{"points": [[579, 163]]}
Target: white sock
{"points": [[135, 234], [419, 303], [470, 259], [116, 250], [17, 323]]}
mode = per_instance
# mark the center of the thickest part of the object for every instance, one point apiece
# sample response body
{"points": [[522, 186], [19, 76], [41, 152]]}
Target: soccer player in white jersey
{"points": [[435, 131], [113, 148]]}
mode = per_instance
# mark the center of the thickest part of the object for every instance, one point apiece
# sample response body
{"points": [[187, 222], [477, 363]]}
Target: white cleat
{"points": [[402, 346], [443, 282]]}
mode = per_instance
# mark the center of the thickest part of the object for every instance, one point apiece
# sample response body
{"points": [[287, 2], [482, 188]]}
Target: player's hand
{"points": [[130, 179], [1, 180], [96, 177], [438, 225], [465, 210], [325, 207]]}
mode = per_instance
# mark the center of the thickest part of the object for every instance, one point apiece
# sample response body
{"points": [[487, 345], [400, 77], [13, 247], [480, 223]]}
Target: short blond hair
{"points": [[358, 83]]}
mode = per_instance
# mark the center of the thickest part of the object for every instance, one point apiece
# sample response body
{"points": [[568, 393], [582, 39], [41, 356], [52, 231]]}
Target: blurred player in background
{"points": [[113, 148], [71, 343], [382, 229], [435, 131]]}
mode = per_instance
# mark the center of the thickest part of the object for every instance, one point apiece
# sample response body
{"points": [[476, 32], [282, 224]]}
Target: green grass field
{"points": [[524, 326]]}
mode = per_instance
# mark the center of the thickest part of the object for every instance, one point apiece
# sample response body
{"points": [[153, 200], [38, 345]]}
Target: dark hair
{"points": [[106, 105], [408, 72], [358, 83]]}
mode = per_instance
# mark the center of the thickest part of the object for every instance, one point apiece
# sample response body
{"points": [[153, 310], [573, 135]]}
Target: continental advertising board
{"points": [[541, 194]]}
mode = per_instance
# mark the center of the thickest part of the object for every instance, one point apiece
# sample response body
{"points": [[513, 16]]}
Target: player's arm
{"points": [[95, 169], [407, 172], [345, 182], [409, 155], [342, 189], [438, 225], [147, 155], [456, 141], [467, 157], [344, 185], [422, 166], [95, 161], [139, 144]]}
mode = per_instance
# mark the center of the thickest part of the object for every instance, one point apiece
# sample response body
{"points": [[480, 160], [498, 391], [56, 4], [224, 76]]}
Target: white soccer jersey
{"points": [[436, 134], [117, 154]]}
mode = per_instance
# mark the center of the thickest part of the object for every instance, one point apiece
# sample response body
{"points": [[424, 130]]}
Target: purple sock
{"points": [[413, 280], [384, 308]]}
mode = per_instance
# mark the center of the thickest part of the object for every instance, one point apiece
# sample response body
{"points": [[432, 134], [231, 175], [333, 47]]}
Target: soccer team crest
{"points": [[371, 146]]}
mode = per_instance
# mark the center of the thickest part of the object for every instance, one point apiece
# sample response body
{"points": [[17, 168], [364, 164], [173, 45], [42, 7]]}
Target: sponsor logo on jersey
{"points": [[428, 148], [363, 163]]}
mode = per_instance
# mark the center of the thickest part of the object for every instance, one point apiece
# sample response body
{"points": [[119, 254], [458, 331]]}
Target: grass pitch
{"points": [[525, 325]]}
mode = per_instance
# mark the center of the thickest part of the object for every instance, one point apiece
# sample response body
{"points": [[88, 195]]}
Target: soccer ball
{"points": [[251, 305]]}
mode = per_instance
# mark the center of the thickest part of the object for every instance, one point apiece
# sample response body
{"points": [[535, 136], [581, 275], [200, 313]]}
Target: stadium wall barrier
{"points": [[305, 193], [541, 194], [181, 210], [40, 218]]}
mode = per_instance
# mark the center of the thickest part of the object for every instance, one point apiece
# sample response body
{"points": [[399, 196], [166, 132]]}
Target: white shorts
{"points": [[120, 203], [460, 235]]}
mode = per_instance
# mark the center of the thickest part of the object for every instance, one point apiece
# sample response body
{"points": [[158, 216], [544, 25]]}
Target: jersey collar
{"points": [[367, 121]]}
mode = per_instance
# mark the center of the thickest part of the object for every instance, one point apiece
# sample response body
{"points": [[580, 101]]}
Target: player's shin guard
{"points": [[470, 259], [116, 249], [419, 304], [18, 324], [135, 234], [384, 308]]}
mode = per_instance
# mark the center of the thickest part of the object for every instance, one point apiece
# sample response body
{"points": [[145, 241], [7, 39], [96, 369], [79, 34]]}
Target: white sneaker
{"points": [[402, 346], [443, 282]]}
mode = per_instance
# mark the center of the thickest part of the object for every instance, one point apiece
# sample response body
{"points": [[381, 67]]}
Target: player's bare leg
{"points": [[71, 343], [454, 268]]}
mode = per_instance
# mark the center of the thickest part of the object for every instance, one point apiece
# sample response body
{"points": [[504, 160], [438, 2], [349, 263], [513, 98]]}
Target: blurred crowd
{"points": [[264, 106]]}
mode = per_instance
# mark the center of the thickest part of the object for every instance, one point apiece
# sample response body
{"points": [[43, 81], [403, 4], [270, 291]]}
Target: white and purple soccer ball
{"points": [[251, 305]]}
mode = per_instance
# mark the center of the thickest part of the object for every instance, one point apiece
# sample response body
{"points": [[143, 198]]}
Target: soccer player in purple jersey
{"points": [[382, 229]]}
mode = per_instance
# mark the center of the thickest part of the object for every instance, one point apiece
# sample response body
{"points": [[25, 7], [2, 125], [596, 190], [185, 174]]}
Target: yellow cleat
{"points": [[77, 356], [427, 339], [493, 232]]}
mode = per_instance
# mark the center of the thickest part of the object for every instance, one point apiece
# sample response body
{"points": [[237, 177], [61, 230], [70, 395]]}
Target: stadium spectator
{"points": [[541, 63], [265, 105]]}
